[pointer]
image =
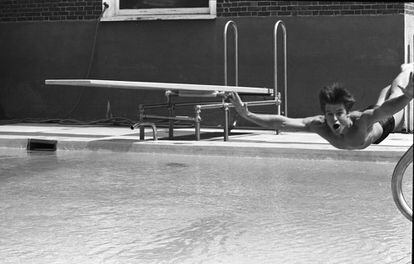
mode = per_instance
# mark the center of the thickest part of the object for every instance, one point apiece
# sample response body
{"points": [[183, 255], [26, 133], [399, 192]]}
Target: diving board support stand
{"points": [[170, 113], [197, 122], [195, 88]]}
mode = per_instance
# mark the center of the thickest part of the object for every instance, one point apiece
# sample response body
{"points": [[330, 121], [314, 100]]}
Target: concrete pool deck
{"points": [[252, 143]]}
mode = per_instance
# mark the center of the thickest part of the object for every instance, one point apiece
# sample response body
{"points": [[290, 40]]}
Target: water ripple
{"points": [[132, 208]]}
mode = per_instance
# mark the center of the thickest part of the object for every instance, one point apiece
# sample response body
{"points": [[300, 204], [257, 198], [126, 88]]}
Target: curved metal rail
{"points": [[236, 51], [275, 31], [396, 184], [141, 125], [236, 65]]}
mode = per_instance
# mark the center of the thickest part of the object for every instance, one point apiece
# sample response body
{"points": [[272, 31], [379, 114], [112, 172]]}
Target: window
{"points": [[159, 9]]}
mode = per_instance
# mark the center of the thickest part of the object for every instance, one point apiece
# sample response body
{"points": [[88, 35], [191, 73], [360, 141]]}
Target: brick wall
{"points": [[44, 10], [52, 10], [306, 8], [409, 8]]}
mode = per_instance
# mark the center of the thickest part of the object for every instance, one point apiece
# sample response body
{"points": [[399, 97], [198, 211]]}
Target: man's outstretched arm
{"points": [[268, 120]]}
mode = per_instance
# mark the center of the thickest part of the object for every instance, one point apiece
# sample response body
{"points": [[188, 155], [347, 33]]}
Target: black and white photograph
{"points": [[206, 132]]}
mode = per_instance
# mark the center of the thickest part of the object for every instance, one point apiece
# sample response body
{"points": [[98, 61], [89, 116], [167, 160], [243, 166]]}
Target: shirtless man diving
{"points": [[341, 127]]}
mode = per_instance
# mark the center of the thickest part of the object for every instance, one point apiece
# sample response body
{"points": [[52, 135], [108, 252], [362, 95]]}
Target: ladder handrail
{"points": [[275, 31], [236, 51], [236, 62], [396, 184]]}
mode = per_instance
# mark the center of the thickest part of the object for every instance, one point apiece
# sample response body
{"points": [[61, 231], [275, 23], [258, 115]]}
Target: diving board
{"points": [[158, 86], [179, 89]]}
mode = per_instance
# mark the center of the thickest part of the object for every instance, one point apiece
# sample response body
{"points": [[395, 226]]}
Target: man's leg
{"points": [[384, 94], [394, 90]]}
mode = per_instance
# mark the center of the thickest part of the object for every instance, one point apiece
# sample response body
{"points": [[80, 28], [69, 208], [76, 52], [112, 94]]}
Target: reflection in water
{"points": [[104, 207]]}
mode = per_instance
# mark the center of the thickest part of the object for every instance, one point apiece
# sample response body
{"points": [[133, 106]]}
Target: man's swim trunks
{"points": [[388, 125]]}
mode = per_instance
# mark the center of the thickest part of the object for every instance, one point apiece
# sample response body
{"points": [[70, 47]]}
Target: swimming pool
{"points": [[110, 207]]}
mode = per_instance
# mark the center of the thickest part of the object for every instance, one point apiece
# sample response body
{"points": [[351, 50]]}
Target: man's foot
{"points": [[407, 67]]}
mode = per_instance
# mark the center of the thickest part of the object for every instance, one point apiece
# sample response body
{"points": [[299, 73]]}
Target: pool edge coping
{"points": [[215, 149]]}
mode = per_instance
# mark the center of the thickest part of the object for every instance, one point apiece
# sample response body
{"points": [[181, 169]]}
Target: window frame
{"points": [[114, 13]]}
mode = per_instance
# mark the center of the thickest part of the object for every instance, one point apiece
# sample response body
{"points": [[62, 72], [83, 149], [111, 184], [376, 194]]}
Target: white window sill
{"points": [[158, 17]]}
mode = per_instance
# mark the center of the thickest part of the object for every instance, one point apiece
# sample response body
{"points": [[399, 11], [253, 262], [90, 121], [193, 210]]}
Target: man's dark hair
{"points": [[335, 93]]}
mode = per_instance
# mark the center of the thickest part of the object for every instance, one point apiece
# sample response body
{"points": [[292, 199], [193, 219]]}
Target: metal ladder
{"points": [[224, 105]]}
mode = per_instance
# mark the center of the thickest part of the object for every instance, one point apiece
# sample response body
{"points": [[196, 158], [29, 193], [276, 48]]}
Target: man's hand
{"points": [[238, 104]]}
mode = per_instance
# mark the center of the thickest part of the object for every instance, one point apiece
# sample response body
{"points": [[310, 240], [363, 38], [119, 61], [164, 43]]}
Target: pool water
{"points": [[109, 207]]}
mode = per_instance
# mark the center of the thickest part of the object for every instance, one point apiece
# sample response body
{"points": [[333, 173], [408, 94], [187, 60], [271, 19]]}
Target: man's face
{"points": [[337, 117]]}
